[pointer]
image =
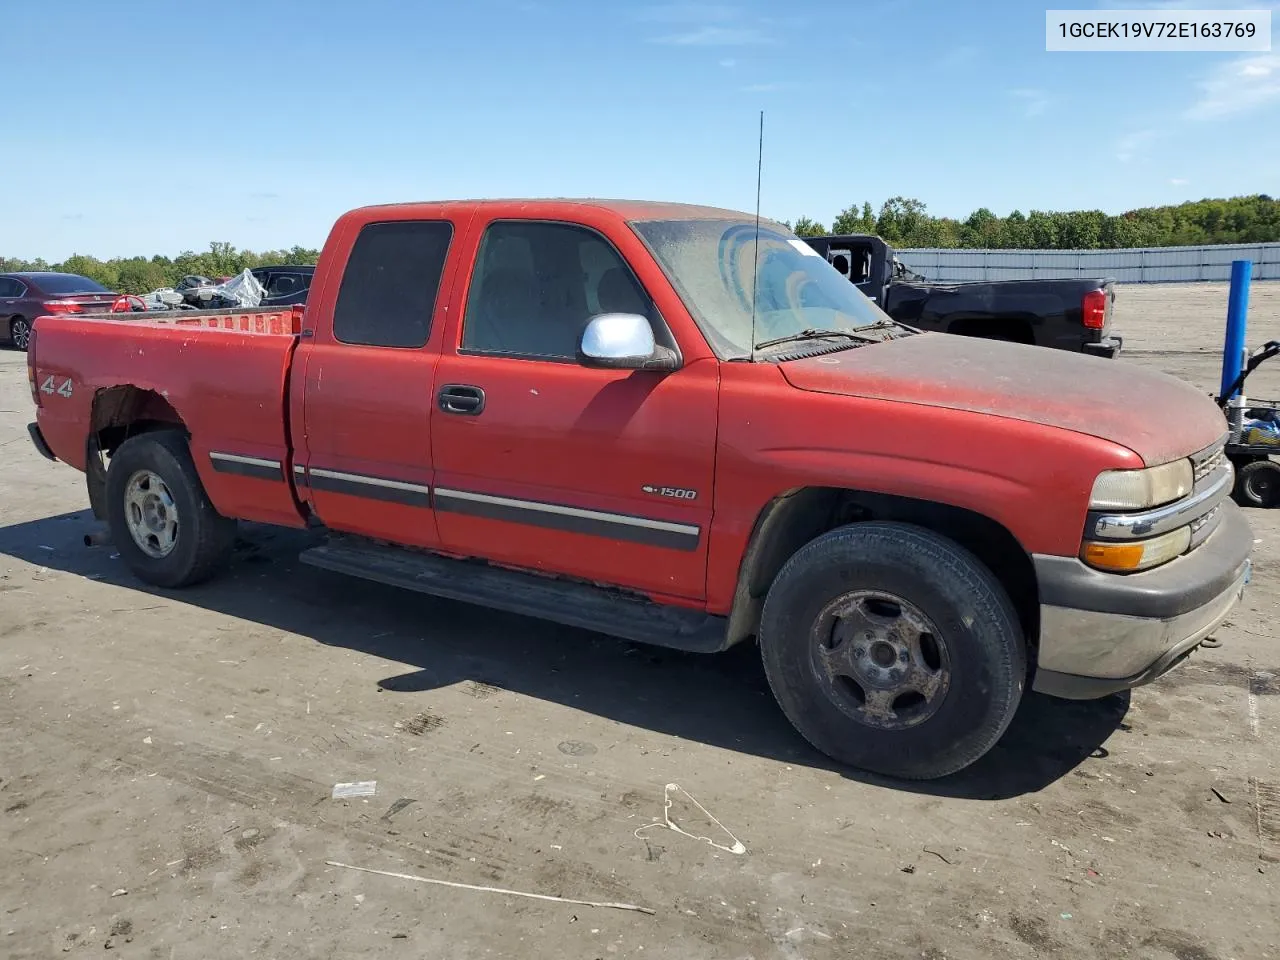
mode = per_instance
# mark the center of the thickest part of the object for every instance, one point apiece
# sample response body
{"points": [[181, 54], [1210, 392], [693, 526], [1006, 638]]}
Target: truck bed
{"points": [[222, 373]]}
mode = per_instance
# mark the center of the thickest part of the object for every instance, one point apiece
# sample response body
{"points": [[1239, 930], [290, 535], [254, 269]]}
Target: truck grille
{"points": [[1207, 462], [1201, 527]]}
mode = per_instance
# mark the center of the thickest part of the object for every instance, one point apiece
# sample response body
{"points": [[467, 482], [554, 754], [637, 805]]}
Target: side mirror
{"points": [[623, 341]]}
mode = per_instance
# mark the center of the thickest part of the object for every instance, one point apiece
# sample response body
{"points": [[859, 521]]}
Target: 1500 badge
{"points": [[675, 493]]}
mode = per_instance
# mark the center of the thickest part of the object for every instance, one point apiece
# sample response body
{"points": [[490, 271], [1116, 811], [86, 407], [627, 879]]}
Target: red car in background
{"points": [[25, 296]]}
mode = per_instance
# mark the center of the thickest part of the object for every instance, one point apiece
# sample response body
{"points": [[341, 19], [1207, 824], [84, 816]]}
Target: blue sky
{"points": [[146, 130]]}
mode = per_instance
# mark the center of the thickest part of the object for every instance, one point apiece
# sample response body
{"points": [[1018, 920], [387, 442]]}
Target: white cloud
{"points": [[1131, 144], [1238, 86], [772, 87], [1178, 181], [713, 36], [728, 64], [697, 24], [1035, 101], [688, 13]]}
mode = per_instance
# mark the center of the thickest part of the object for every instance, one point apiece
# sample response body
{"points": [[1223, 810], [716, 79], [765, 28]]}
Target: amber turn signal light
{"points": [[1137, 555]]}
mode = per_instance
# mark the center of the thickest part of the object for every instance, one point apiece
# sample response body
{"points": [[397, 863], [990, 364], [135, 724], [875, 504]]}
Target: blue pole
{"points": [[1237, 321]]}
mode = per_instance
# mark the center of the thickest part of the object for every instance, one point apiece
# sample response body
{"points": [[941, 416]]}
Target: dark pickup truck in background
{"points": [[1068, 314], [285, 286]]}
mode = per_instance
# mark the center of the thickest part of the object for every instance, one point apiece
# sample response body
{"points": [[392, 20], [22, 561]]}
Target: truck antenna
{"points": [[755, 249]]}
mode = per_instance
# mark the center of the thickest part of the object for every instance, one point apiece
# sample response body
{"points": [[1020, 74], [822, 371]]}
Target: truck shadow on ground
{"points": [[721, 700]]}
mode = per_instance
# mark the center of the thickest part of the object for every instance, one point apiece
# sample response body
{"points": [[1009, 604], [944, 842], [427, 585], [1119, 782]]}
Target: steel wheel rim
{"points": [[20, 333], [1261, 485], [880, 659], [151, 514]]}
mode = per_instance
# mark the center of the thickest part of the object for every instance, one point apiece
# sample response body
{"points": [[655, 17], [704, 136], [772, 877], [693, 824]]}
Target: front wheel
{"points": [[1258, 484], [893, 649], [20, 332], [161, 521]]}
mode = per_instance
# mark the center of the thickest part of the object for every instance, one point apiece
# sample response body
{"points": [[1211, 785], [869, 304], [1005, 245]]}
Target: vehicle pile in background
{"points": [[273, 286], [200, 293]]}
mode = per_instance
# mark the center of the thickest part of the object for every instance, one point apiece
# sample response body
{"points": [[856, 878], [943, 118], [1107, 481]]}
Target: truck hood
{"points": [[1156, 416]]}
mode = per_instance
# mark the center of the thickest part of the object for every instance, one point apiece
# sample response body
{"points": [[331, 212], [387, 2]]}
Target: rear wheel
{"points": [[893, 649], [161, 521], [20, 332], [1258, 484]]}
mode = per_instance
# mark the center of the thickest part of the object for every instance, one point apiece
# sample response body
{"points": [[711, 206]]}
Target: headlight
{"points": [[1140, 489], [1137, 555]]}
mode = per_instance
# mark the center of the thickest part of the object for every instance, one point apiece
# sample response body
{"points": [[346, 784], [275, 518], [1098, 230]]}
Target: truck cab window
{"points": [[282, 284], [389, 289], [536, 285], [852, 263]]}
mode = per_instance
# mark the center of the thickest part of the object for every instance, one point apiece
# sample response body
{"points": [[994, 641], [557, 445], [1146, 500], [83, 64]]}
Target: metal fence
{"points": [[1138, 265]]}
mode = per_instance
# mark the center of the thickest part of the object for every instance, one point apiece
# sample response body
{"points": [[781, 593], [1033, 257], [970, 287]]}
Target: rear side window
{"points": [[388, 291], [10, 287]]}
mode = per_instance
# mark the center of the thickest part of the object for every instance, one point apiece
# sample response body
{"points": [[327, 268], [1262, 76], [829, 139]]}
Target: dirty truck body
{"points": [[571, 410]]}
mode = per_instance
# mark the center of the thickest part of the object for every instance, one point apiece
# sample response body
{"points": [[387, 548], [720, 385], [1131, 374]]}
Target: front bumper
{"points": [[1101, 633], [1107, 347]]}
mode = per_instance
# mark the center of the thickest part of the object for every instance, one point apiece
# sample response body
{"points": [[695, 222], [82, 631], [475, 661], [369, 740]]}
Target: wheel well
{"points": [[1013, 329], [122, 412], [118, 414], [789, 522]]}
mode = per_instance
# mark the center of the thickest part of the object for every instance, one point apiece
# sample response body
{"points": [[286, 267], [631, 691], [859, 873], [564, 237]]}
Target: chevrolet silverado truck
{"points": [[1066, 314], [578, 410]]}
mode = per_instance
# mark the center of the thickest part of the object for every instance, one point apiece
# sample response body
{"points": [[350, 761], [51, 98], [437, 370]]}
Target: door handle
{"points": [[462, 399]]}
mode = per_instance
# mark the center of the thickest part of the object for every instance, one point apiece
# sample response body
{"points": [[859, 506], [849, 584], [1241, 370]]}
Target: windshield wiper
{"points": [[814, 334]]}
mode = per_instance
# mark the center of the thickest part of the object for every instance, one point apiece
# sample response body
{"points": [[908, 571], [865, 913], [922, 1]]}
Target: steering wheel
{"points": [[128, 303]]}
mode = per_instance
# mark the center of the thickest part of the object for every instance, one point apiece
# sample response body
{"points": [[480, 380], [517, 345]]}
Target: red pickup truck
{"points": [[680, 426]]}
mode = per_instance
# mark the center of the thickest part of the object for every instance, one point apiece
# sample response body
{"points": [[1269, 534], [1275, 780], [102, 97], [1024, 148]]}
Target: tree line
{"points": [[905, 222], [144, 274], [902, 221]]}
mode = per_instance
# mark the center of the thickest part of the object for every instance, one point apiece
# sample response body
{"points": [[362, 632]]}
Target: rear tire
{"points": [[161, 520], [1258, 484], [893, 649], [20, 333]]}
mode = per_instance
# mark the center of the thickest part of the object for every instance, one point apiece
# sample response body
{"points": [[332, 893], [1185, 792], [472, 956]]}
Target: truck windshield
{"points": [[709, 262]]}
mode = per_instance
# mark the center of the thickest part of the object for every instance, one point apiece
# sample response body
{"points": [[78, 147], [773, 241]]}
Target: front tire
{"points": [[1258, 484], [161, 521], [893, 649], [20, 333]]}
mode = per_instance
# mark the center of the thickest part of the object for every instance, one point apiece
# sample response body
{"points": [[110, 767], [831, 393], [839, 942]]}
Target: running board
{"points": [[563, 601]]}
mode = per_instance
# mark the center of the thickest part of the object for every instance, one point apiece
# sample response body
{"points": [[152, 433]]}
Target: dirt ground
{"points": [[167, 762]]}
